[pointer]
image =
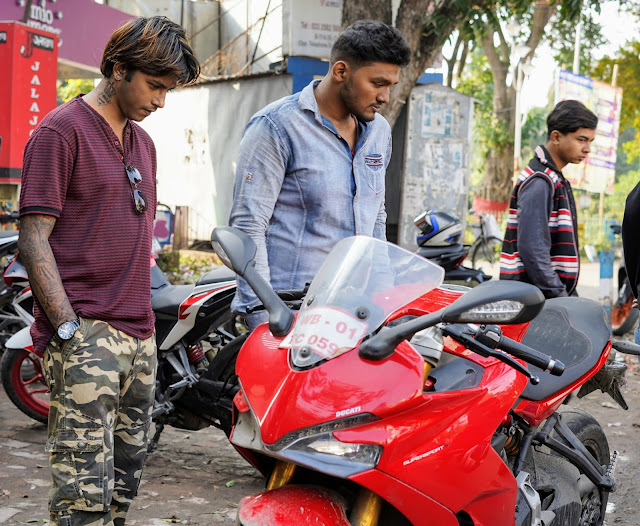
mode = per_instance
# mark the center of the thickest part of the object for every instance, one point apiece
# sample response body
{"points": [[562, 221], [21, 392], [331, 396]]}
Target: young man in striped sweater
{"points": [[87, 206], [541, 240]]}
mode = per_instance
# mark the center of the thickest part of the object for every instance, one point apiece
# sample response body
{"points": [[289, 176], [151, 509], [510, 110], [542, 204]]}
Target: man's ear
{"points": [[340, 71], [555, 136], [119, 71]]}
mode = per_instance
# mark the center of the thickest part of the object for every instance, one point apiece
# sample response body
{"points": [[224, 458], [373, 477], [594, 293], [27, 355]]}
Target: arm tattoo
{"points": [[36, 253], [104, 97]]}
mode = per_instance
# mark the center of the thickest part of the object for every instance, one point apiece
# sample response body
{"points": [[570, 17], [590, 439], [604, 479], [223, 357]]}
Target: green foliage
{"points": [[488, 132], [534, 131], [72, 87], [623, 164], [561, 39], [186, 266], [614, 204], [168, 261]]}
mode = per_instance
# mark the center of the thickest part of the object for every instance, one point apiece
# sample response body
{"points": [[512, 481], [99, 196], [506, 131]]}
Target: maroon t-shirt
{"points": [[74, 170]]}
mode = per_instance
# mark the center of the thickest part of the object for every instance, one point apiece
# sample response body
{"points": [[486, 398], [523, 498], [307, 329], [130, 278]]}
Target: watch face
{"points": [[66, 330]]}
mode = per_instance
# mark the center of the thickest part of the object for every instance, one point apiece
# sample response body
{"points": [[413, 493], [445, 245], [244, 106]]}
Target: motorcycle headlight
{"points": [[317, 448]]}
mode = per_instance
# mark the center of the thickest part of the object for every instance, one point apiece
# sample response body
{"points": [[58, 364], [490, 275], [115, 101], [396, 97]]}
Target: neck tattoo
{"points": [[104, 97]]}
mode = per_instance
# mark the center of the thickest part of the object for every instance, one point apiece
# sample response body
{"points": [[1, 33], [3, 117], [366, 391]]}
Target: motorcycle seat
{"points": [[572, 330], [168, 299], [433, 252], [217, 275]]}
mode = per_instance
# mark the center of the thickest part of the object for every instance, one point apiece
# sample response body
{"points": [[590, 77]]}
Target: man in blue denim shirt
{"points": [[311, 167]]}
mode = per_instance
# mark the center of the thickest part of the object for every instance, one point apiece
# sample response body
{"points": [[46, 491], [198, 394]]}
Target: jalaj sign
{"points": [[29, 62]]}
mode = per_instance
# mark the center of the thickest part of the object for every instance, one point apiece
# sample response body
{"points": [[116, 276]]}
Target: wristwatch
{"points": [[67, 329]]}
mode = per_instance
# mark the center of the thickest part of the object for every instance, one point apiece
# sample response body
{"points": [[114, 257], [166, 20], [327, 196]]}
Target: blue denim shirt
{"points": [[298, 189]]}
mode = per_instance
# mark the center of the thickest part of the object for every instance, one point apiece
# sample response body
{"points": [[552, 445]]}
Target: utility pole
{"points": [[576, 50]]}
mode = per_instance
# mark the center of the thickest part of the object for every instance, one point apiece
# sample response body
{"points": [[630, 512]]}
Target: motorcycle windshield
{"points": [[361, 282]]}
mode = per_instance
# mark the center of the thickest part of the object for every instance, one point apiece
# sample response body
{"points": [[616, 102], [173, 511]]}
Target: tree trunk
{"points": [[353, 10], [497, 180]]}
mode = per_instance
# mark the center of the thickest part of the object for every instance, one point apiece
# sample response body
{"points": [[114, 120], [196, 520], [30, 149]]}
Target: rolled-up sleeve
{"points": [[380, 228], [262, 162]]}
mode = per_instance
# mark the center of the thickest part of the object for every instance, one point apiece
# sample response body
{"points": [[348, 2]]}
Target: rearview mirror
{"points": [[496, 302], [238, 252], [491, 302], [235, 248]]}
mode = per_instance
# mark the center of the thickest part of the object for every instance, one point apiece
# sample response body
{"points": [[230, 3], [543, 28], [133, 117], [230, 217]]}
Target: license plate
{"points": [[326, 331]]}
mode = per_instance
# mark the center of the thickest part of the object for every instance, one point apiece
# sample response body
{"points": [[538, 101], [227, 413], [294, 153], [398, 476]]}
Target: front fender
{"points": [[293, 506], [20, 340]]}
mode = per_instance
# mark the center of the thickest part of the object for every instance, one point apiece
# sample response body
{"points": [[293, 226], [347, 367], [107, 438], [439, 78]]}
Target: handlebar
{"points": [[529, 355], [485, 339]]}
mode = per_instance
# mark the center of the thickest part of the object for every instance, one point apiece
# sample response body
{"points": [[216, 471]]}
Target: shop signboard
{"points": [[28, 58]]}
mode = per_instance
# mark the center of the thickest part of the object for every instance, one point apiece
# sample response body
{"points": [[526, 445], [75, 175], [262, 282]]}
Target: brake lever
{"points": [[466, 338]]}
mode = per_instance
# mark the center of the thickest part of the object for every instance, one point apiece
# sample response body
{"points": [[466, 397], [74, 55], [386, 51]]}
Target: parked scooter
{"points": [[394, 401], [439, 241], [623, 316]]}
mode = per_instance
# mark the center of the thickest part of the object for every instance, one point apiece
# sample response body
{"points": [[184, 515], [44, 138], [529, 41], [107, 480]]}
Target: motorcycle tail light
{"points": [[241, 402]]}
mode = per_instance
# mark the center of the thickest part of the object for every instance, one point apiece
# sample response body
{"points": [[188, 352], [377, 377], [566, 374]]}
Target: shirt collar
{"points": [[543, 155], [307, 101]]}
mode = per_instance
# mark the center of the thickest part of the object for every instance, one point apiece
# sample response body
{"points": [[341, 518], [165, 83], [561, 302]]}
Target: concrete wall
{"points": [[197, 135], [248, 45]]}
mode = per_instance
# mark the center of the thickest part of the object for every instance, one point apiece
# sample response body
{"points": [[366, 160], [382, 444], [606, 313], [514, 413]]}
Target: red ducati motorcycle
{"points": [[390, 400]]}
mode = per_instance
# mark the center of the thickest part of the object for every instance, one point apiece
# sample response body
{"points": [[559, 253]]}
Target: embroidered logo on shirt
{"points": [[373, 160]]}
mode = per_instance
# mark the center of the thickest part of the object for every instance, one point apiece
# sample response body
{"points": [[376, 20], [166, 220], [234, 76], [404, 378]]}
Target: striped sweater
{"points": [[563, 253]]}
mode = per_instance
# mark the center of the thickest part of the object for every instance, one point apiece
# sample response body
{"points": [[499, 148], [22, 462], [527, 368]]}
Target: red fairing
{"points": [[290, 505], [448, 434], [535, 412], [325, 393]]}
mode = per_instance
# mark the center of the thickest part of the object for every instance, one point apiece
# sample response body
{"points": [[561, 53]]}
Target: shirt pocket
{"points": [[374, 171]]}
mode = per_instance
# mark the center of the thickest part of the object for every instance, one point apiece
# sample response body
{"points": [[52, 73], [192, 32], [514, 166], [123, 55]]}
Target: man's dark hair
{"points": [[570, 115], [155, 46], [367, 41]]}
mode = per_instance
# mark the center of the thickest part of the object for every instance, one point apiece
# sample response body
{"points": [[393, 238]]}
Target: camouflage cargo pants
{"points": [[102, 384]]}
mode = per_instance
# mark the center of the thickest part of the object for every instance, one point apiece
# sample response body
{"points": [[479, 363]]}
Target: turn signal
{"points": [[241, 402]]}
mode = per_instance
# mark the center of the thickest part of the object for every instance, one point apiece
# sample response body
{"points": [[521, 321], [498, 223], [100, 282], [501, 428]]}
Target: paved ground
{"points": [[196, 478]]}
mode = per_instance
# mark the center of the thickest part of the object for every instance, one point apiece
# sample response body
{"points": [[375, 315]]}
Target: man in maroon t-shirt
{"points": [[87, 206]]}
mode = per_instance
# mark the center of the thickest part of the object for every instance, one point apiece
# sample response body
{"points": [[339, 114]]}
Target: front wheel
{"points": [[485, 256], [23, 381]]}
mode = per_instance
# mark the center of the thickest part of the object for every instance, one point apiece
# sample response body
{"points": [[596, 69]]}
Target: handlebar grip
{"points": [[529, 355]]}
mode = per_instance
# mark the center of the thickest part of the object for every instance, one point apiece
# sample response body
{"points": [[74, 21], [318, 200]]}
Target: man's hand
{"points": [[36, 253], [634, 303]]}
